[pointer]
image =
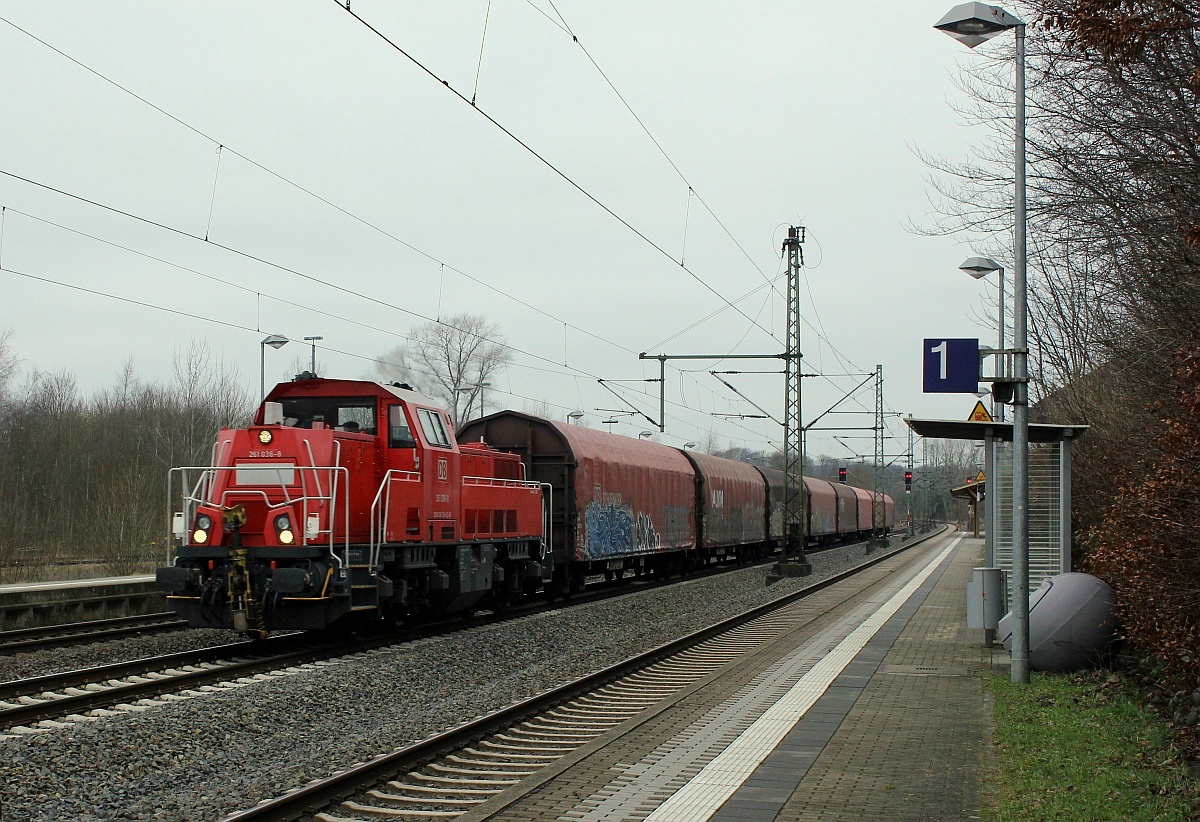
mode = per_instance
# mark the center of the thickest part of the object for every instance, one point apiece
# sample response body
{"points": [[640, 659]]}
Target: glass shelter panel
{"points": [[1046, 547]]}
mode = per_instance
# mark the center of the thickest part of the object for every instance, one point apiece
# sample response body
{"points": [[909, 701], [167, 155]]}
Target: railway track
{"points": [[27, 701], [81, 633], [39, 704], [449, 774]]}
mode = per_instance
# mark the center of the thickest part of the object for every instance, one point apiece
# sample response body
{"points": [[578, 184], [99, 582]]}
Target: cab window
{"points": [[399, 434], [355, 414], [431, 425]]}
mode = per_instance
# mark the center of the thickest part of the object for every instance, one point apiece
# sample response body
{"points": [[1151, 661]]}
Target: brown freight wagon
{"points": [[847, 510], [731, 498], [617, 503], [822, 510]]}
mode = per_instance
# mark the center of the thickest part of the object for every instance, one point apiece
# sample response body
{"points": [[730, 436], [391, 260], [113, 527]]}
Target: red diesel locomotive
{"points": [[343, 498]]}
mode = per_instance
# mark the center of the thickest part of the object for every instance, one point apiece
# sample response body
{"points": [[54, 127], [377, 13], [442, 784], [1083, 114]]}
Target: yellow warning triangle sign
{"points": [[979, 413], [980, 477]]}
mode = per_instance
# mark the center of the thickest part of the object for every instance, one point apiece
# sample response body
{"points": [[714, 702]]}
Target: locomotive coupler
{"points": [[245, 611]]}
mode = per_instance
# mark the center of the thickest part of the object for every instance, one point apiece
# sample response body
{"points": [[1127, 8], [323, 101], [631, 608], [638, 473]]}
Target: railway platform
{"points": [[874, 710], [39, 604]]}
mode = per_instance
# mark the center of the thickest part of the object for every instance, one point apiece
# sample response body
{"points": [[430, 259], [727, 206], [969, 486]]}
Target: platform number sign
{"points": [[951, 366]]}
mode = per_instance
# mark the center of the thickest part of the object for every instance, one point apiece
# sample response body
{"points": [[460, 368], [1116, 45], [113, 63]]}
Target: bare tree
{"points": [[1113, 146], [541, 408], [710, 443], [455, 359], [82, 479], [302, 362], [9, 362]]}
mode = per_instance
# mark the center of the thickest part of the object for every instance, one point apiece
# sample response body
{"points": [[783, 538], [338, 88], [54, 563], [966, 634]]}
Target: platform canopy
{"points": [[968, 430], [971, 491], [1049, 509]]}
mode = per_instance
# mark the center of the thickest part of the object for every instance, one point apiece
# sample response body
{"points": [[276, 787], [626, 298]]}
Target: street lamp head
{"points": [[979, 267], [975, 23], [575, 416], [689, 445], [275, 341], [645, 435], [471, 386]]}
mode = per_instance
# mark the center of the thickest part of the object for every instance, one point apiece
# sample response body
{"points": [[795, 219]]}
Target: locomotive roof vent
{"points": [[304, 375], [403, 385]]}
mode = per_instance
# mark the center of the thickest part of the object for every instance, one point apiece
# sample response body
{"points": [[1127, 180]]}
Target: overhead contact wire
{"points": [[224, 323], [309, 277], [511, 135], [222, 148], [310, 192], [653, 139]]}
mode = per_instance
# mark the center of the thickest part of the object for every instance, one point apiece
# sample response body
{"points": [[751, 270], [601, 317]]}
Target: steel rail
{"points": [[322, 793], [80, 633]]}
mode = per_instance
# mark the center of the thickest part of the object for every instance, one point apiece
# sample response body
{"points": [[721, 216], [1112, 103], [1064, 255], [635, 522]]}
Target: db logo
{"points": [[443, 470]]}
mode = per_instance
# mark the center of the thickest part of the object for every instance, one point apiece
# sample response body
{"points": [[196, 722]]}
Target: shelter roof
{"points": [[970, 491], [969, 430]]}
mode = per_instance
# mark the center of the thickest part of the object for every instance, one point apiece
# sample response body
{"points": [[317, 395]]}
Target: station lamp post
{"points": [[574, 417], [980, 267], [313, 340], [645, 435], [467, 389], [972, 24], [276, 342]]}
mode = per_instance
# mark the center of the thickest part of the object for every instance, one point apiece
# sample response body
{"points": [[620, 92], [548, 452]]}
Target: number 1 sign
{"points": [[951, 366]]}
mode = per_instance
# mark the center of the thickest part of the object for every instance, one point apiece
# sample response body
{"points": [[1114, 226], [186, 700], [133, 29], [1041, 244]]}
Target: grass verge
{"points": [[1081, 746]]}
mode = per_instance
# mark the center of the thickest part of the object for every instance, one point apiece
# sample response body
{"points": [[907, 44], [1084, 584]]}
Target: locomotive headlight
{"points": [[284, 526], [264, 437], [204, 523]]}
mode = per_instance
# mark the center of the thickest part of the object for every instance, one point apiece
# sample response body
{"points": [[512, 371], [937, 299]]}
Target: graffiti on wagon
{"points": [[612, 528]]}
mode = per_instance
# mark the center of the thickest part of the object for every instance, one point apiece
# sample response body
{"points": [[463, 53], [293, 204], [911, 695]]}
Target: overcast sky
{"points": [[775, 113]]}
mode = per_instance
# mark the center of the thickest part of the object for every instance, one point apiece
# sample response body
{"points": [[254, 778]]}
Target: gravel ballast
{"points": [[206, 757], [76, 657]]}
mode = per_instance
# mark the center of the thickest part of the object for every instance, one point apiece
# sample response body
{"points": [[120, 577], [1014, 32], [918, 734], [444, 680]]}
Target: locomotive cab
{"points": [[347, 499]]}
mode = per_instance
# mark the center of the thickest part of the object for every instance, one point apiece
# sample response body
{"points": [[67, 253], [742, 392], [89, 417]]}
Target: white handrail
{"points": [[501, 483], [201, 494], [547, 520], [380, 517]]}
